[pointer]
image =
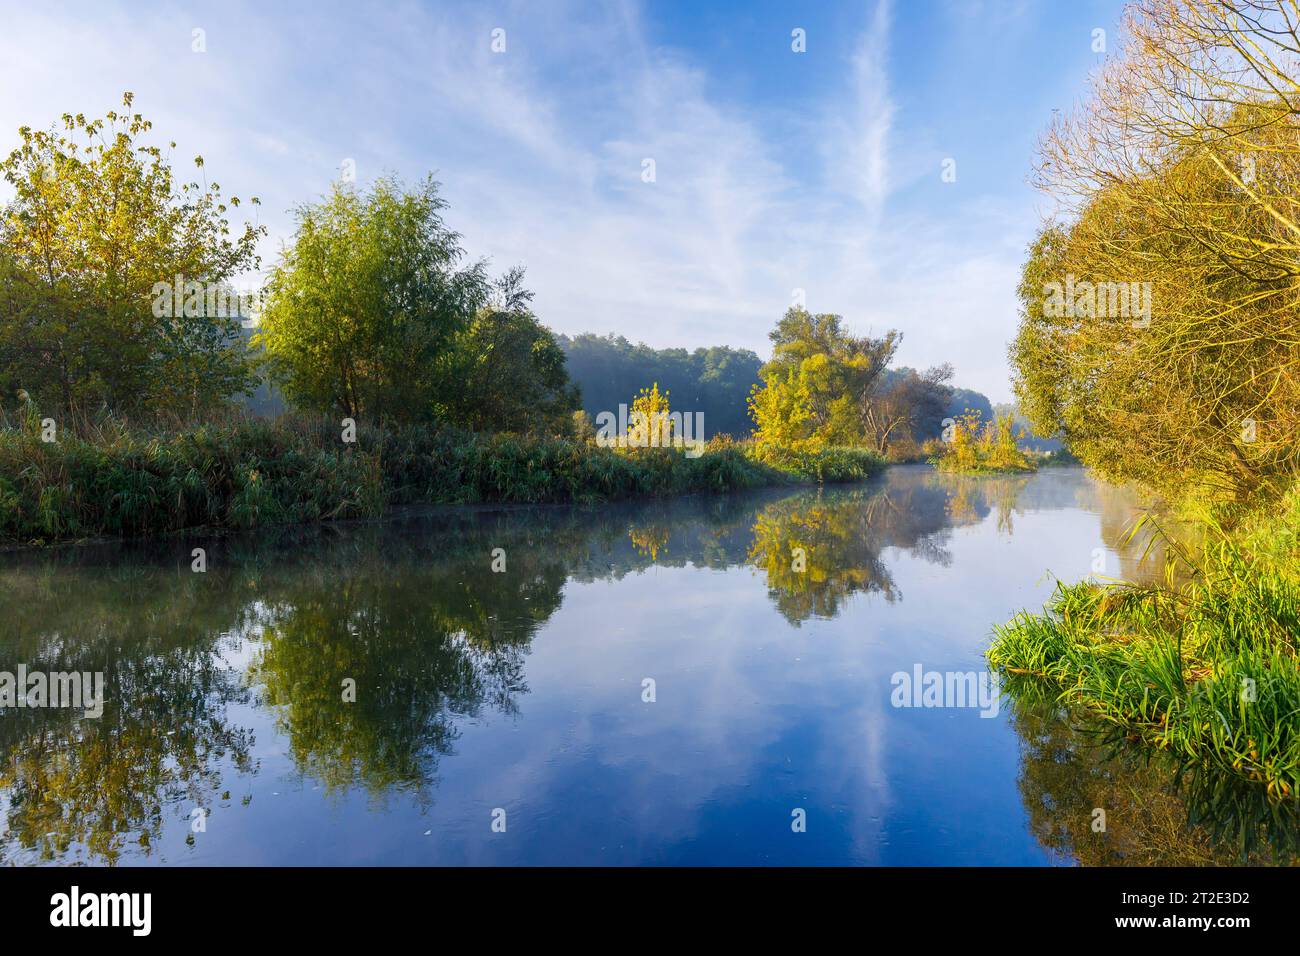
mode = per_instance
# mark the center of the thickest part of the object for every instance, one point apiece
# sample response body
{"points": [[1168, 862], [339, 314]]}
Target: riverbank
{"points": [[1204, 669], [116, 481]]}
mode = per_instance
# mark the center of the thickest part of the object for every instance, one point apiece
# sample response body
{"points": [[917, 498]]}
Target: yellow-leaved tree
{"points": [[648, 424], [782, 413], [114, 275], [817, 388]]}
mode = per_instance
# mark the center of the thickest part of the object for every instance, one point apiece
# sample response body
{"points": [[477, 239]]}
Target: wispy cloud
{"points": [[867, 136], [541, 151]]}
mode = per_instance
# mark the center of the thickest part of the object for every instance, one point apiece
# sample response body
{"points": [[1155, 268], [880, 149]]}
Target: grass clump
{"points": [[835, 464], [1202, 666]]}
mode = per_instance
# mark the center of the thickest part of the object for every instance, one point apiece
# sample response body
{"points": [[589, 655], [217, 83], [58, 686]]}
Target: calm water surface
{"points": [[522, 691]]}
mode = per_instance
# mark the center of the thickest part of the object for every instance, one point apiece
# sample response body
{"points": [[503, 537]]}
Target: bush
{"points": [[974, 450]]}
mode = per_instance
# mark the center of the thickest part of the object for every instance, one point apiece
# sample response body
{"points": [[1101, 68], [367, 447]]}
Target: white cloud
{"points": [[540, 153]]}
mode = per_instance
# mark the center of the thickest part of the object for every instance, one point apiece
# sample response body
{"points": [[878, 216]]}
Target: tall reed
{"points": [[107, 478]]}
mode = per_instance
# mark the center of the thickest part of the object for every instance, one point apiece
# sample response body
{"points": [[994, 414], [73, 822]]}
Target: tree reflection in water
{"points": [[1073, 767], [411, 612]]}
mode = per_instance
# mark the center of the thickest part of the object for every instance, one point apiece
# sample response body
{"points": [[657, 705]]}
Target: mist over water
{"points": [[520, 696]]}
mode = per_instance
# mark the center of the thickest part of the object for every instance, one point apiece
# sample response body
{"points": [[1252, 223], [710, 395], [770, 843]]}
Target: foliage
{"points": [[907, 406], [713, 381], [648, 421], [816, 390], [95, 222], [782, 412], [581, 427], [366, 304], [510, 369], [839, 370], [122, 481], [1178, 177], [835, 464], [1178, 180], [993, 448], [1203, 668]]}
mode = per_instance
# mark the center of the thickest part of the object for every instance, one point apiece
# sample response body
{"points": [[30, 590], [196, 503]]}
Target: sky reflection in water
{"points": [[523, 690]]}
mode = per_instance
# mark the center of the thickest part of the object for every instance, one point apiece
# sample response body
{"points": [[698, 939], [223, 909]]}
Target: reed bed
{"points": [[111, 479]]}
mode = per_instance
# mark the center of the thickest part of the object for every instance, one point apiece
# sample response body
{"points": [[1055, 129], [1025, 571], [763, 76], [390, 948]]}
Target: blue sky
{"points": [[775, 171]]}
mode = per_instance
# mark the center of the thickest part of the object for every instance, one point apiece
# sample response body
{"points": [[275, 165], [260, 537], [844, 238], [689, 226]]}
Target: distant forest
{"points": [[610, 370], [716, 381]]}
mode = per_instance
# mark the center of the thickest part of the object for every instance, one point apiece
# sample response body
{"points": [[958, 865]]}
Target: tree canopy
{"points": [[1177, 184], [511, 369], [96, 224], [365, 304], [825, 386]]}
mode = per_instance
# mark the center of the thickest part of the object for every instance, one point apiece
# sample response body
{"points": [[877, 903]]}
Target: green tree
{"points": [[512, 370], [817, 388], [364, 309], [1177, 178], [96, 225]]}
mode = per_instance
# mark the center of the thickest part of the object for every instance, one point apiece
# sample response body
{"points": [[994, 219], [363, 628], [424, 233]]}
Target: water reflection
{"points": [[357, 660], [1074, 766], [77, 787]]}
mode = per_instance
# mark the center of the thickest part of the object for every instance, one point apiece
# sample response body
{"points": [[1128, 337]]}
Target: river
{"points": [[706, 680]]}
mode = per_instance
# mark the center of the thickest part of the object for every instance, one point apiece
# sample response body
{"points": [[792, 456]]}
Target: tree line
{"points": [[117, 295]]}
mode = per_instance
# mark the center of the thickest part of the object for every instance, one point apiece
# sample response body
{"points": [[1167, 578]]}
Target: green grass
{"points": [[1204, 670], [116, 481]]}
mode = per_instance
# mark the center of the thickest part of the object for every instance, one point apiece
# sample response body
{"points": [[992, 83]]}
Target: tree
{"points": [[93, 231], [907, 404], [1198, 394], [1177, 180], [782, 412], [365, 307], [648, 422], [713, 381], [512, 371], [817, 387]]}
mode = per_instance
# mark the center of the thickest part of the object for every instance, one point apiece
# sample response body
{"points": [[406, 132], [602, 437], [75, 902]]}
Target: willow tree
{"points": [[363, 311], [511, 370], [1176, 183]]}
